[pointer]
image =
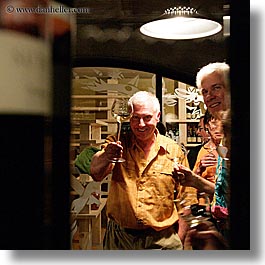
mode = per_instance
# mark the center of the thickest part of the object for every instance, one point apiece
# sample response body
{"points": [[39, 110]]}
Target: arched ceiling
{"points": [[108, 35]]}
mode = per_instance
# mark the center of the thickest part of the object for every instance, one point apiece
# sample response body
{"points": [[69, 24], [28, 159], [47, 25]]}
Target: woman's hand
{"points": [[206, 161]]}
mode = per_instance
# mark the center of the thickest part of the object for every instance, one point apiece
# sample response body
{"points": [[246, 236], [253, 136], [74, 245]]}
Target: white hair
{"points": [[221, 68], [143, 96]]}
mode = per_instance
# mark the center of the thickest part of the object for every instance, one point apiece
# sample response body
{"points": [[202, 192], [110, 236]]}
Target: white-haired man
{"points": [[140, 208], [214, 82]]}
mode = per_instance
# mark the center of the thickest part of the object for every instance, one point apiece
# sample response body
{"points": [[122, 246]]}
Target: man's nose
{"points": [[141, 122]]}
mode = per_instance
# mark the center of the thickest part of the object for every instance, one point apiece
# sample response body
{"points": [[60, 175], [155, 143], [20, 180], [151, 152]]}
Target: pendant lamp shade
{"points": [[181, 23]]}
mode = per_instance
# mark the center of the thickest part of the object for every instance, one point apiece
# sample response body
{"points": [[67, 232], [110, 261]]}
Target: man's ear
{"points": [[158, 116]]}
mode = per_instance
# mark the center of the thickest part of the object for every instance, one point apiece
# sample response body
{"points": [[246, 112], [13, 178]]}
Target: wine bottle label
{"points": [[25, 67]]}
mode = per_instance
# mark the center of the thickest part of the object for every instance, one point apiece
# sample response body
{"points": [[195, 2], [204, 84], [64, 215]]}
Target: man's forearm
{"points": [[204, 185]]}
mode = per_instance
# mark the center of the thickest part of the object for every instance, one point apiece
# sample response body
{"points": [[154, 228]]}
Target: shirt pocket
{"points": [[163, 181], [165, 168]]}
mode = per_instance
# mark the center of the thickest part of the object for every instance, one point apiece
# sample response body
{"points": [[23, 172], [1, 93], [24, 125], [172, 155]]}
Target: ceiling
{"points": [[108, 35]]}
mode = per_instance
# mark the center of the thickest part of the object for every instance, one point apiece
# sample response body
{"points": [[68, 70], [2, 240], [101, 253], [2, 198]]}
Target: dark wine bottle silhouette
{"points": [[34, 114]]}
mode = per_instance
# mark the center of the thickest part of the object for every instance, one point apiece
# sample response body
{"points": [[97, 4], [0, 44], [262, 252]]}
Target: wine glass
{"points": [[194, 214], [222, 151], [121, 111], [171, 152]]}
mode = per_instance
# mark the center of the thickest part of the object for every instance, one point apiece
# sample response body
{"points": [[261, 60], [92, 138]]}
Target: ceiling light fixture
{"points": [[181, 23]]}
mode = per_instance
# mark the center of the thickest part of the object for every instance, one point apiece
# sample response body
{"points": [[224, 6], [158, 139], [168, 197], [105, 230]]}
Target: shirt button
{"points": [[140, 221]]}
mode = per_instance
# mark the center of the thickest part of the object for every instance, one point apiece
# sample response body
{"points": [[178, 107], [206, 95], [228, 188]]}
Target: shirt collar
{"points": [[159, 143]]}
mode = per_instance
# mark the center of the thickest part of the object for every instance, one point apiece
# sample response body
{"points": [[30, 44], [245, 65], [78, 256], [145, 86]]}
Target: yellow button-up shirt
{"points": [[141, 192]]}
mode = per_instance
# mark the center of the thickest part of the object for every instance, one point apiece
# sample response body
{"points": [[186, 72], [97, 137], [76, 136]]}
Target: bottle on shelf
{"points": [[198, 139], [193, 133], [189, 133]]}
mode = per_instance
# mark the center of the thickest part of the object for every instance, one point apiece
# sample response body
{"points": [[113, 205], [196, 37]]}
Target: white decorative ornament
{"points": [[100, 85]]}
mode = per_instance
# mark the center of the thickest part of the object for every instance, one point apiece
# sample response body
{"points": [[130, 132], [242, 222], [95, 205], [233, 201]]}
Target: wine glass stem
{"points": [[119, 131]]}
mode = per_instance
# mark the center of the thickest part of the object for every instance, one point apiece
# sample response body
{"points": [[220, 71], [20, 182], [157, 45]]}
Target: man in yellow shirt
{"points": [[140, 207]]}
